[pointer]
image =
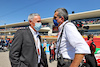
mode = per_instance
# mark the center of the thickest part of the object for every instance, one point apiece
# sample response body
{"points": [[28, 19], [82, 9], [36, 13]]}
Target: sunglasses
{"points": [[54, 17]]}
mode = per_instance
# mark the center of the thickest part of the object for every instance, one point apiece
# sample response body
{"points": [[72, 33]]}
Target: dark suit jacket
{"points": [[23, 51]]}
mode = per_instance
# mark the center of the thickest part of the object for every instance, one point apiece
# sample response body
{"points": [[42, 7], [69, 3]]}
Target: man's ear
{"points": [[30, 22], [62, 18]]}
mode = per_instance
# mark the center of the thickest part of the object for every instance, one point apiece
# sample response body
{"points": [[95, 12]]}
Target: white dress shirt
{"points": [[72, 42], [35, 34]]}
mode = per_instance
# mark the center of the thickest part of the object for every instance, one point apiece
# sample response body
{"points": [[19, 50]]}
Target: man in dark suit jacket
{"points": [[24, 51]]}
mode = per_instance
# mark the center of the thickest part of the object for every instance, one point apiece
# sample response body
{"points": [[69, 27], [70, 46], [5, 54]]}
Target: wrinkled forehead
{"points": [[37, 17]]}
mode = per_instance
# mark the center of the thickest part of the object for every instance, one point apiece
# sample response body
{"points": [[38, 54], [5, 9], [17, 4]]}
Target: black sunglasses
{"points": [[54, 17]]}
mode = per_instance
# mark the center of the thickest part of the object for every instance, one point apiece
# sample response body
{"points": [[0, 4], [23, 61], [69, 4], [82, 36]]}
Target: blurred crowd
{"points": [[90, 21], [5, 44], [52, 47]]}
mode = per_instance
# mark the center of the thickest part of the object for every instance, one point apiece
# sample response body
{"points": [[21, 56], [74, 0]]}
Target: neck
{"points": [[33, 28], [60, 23]]}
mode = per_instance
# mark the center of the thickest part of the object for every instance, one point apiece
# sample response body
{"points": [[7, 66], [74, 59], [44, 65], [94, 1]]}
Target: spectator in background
{"points": [[90, 58], [52, 50], [44, 45], [2, 42], [10, 43], [7, 42]]}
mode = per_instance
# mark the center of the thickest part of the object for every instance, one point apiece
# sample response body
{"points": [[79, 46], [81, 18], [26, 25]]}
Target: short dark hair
{"points": [[62, 12], [90, 36]]}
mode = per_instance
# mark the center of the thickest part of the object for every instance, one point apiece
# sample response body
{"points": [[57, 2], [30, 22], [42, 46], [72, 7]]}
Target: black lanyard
{"points": [[59, 40]]}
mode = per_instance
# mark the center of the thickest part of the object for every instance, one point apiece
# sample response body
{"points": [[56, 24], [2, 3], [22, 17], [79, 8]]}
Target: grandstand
{"points": [[49, 31], [90, 18]]}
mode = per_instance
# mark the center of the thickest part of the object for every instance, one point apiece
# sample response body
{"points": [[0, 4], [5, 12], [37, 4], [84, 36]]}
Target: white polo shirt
{"points": [[72, 42], [35, 34]]}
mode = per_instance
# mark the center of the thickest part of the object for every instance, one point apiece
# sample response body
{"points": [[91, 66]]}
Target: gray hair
{"points": [[31, 16], [62, 12]]}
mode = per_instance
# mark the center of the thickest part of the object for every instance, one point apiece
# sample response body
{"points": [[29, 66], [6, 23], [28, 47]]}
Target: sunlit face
{"points": [[36, 19], [92, 38], [56, 17]]}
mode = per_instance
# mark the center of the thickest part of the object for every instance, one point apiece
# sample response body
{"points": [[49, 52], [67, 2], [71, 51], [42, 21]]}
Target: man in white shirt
{"points": [[72, 46]]}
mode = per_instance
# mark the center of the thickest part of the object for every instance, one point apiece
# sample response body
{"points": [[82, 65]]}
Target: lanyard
{"points": [[60, 39]]}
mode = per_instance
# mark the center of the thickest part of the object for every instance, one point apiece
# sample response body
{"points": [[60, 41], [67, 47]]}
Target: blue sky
{"points": [[15, 11]]}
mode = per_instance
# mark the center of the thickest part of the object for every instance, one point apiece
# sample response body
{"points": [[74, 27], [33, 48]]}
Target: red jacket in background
{"points": [[92, 46]]}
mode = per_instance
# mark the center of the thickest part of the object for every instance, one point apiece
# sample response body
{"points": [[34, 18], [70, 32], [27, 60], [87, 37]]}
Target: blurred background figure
{"points": [[2, 43], [10, 43], [52, 52], [90, 58], [44, 45], [7, 42]]}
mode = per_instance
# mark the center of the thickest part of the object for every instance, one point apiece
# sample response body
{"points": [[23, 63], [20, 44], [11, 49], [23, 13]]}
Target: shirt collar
{"points": [[37, 33], [61, 26]]}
